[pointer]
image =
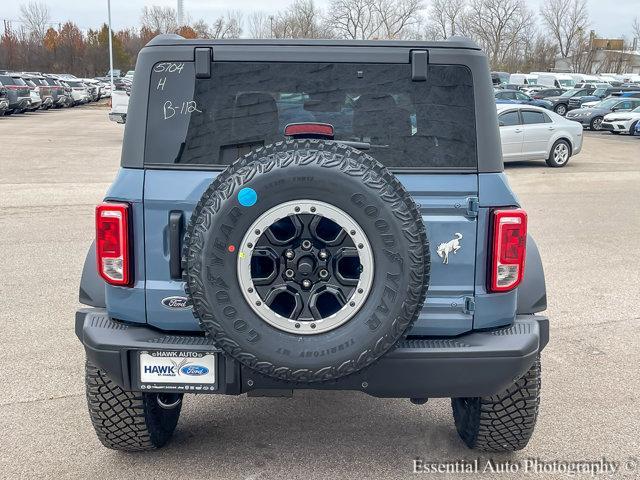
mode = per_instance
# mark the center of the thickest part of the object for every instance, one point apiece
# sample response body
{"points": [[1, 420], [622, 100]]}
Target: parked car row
{"points": [[547, 124], [563, 92], [29, 91]]}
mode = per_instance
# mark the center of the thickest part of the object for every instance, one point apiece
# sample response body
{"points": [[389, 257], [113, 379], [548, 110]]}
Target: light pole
{"points": [[110, 47]]}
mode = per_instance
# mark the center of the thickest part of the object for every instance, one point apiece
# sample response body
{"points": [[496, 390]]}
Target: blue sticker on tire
{"points": [[247, 197]]}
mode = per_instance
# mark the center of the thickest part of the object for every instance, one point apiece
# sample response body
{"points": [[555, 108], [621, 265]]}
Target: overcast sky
{"points": [[610, 18]]}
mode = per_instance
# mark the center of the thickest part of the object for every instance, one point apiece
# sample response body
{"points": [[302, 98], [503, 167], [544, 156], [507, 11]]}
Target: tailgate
{"points": [[447, 203]]}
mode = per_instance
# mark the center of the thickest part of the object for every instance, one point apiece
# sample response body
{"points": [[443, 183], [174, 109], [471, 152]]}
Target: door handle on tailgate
{"points": [[175, 247]]}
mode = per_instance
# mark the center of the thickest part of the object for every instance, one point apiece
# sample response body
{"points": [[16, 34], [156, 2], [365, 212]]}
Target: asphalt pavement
{"points": [[55, 166]]}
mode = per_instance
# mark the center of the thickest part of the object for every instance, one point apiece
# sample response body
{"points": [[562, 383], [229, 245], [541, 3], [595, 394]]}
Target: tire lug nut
{"points": [[306, 244], [289, 273], [289, 254], [306, 283], [323, 255], [324, 273]]}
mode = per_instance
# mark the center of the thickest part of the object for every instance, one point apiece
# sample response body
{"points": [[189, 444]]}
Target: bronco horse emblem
{"points": [[444, 249]]}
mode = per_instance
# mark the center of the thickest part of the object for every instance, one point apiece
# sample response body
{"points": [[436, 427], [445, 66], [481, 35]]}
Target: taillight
{"points": [[509, 249], [112, 243]]}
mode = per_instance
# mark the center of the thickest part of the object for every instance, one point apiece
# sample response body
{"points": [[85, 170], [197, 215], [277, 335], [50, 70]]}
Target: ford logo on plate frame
{"points": [[194, 370]]}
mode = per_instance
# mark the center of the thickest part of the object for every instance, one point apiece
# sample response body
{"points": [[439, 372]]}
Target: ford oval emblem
{"points": [[176, 303], [194, 370]]}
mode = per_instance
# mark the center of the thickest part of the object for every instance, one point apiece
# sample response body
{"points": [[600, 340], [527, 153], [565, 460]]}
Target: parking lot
{"points": [[55, 166]]}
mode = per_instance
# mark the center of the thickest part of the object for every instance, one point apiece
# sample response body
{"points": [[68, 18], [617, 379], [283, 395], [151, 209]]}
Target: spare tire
{"points": [[306, 260]]}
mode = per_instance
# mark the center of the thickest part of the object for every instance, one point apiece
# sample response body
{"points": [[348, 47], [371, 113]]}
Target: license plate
{"points": [[175, 370]]}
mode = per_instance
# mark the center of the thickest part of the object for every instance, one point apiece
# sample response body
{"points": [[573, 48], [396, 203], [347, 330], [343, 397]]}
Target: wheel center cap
{"points": [[305, 266]]}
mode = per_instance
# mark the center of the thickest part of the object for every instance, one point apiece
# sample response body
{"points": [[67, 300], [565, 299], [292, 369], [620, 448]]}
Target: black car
{"points": [[548, 92], [18, 93], [600, 93], [560, 104]]}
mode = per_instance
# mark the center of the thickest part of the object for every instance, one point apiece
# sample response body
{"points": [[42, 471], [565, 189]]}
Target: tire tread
{"points": [[123, 420], [330, 155], [503, 422]]}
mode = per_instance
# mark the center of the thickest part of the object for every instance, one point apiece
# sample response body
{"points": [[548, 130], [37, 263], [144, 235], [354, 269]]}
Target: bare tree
{"points": [[201, 28], [302, 19], [36, 19], [635, 28], [539, 55], [260, 25], [566, 21], [501, 27], [227, 26], [159, 19], [583, 55], [353, 19], [397, 18], [444, 17]]}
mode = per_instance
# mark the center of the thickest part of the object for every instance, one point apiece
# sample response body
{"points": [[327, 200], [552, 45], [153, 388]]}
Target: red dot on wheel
{"points": [[232, 248]]}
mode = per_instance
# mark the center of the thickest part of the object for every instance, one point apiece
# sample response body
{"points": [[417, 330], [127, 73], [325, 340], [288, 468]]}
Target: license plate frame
{"points": [[186, 371]]}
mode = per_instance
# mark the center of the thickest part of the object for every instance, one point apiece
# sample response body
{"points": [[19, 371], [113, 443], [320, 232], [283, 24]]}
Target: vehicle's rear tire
{"points": [[503, 422], [560, 109], [596, 123], [129, 421], [632, 129], [614, 132], [389, 238], [560, 154]]}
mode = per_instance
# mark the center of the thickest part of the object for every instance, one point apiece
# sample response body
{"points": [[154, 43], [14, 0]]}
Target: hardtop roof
{"points": [[452, 42]]}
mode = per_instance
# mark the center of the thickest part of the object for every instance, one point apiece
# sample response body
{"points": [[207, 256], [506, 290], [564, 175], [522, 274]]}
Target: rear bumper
{"points": [[471, 365], [585, 122], [20, 103]]}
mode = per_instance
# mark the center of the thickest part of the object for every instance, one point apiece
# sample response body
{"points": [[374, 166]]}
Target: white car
{"points": [[119, 106], [79, 92], [621, 122], [533, 133]]}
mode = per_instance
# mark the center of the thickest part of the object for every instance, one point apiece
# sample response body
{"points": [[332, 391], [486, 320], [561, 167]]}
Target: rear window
{"points": [[509, 119], [530, 117], [244, 105]]}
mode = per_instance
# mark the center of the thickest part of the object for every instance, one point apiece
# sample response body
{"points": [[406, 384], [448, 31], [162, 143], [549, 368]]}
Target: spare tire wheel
{"points": [[306, 260]]}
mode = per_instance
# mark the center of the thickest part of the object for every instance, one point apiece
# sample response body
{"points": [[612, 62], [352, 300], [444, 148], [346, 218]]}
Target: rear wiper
{"points": [[357, 145]]}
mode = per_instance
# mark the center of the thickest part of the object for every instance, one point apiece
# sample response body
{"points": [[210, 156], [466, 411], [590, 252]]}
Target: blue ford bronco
{"points": [[327, 215]]}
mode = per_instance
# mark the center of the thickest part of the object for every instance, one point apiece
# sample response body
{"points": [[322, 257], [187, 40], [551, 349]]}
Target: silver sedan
{"points": [[533, 133]]}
